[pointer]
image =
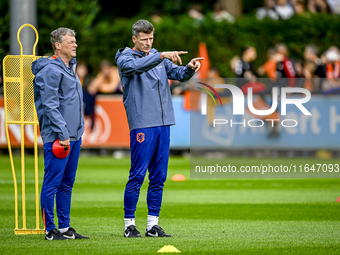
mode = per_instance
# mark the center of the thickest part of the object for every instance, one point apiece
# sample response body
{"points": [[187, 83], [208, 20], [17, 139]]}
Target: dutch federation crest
{"points": [[140, 137]]}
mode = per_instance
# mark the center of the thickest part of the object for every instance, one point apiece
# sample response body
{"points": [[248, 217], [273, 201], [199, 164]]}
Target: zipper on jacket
{"points": [[79, 104], [160, 99], [74, 73]]}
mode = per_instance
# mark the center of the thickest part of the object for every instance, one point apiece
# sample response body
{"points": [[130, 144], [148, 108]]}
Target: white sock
{"points": [[129, 222], [63, 230], [152, 221]]}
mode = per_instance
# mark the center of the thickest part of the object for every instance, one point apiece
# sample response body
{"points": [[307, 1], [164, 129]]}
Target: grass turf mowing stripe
{"points": [[271, 212]]}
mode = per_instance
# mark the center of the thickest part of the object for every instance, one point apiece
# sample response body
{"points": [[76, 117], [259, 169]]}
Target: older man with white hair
{"points": [[59, 103]]}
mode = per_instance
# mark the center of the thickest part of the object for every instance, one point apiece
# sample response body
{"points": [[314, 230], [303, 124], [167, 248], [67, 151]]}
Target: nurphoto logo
{"points": [[238, 103]]}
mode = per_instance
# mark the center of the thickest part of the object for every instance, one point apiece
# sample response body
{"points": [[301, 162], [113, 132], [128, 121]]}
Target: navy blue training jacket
{"points": [[146, 91], [58, 99]]}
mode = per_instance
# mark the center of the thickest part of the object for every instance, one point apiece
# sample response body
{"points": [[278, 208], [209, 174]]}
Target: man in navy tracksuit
{"points": [[144, 74], [59, 104]]}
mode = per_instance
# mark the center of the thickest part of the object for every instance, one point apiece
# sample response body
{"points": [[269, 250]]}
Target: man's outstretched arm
{"points": [[182, 73], [128, 65]]}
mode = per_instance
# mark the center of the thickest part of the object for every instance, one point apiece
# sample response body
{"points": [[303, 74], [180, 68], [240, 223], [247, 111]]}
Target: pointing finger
{"points": [[197, 59], [179, 59], [198, 68], [181, 52], [174, 59]]}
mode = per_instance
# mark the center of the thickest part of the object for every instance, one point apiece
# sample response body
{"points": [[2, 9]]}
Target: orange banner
{"points": [[111, 129]]}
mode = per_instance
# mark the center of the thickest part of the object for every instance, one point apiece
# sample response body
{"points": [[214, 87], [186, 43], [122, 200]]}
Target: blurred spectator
{"points": [[89, 100], [221, 14], [334, 48], [313, 66], [195, 12], [178, 88], [215, 78], [156, 17], [284, 9], [309, 83], [318, 6], [285, 68], [233, 63], [303, 75], [320, 69], [299, 6], [334, 6], [247, 78], [244, 67], [267, 11], [107, 80], [269, 68], [332, 72], [83, 75], [298, 66], [311, 54]]}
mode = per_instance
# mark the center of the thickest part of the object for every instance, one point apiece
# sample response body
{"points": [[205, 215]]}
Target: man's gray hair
{"points": [[143, 26], [59, 34]]}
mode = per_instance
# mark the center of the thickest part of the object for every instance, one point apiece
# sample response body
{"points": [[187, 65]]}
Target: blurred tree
{"points": [[4, 28], [251, 5], [99, 36], [110, 11], [146, 8], [77, 14]]}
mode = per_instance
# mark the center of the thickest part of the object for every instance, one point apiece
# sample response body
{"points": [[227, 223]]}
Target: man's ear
{"points": [[57, 46], [134, 39]]}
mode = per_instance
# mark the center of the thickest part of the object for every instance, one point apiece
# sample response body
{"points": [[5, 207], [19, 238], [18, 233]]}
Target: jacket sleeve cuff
{"points": [[64, 135], [190, 71]]}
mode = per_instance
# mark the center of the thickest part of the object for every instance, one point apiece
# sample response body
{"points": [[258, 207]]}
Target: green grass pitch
{"points": [[206, 216]]}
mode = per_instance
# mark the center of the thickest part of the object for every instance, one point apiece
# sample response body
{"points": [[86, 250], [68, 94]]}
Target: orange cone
{"points": [[178, 178], [205, 64], [202, 73]]}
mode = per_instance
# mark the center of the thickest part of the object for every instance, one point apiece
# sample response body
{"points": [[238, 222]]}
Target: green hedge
{"points": [[224, 40]]}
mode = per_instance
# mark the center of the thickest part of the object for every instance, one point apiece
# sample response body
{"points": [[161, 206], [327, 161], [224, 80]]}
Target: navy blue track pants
{"points": [[58, 182], [149, 150]]}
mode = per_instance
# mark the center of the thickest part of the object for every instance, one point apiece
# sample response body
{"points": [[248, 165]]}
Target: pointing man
{"points": [[144, 74]]}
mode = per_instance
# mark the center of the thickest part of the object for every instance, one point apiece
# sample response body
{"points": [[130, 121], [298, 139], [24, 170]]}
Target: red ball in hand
{"points": [[59, 151]]}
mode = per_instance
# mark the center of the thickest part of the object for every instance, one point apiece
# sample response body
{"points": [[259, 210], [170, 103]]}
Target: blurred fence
{"points": [[319, 131], [111, 130]]}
